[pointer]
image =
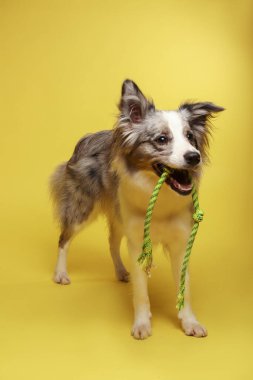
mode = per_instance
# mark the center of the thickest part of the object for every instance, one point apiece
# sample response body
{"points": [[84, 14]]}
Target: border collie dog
{"points": [[114, 172]]}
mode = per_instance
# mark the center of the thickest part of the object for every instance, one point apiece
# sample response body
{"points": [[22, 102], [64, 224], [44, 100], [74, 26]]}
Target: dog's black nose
{"points": [[192, 158]]}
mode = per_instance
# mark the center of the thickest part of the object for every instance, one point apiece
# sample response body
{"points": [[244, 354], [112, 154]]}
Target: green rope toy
{"points": [[145, 258]]}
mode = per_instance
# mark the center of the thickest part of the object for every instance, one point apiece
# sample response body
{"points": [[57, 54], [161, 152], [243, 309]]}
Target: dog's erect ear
{"points": [[197, 114], [133, 104]]}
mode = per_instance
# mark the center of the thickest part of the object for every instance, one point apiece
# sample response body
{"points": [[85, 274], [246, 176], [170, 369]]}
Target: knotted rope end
{"points": [[198, 215]]}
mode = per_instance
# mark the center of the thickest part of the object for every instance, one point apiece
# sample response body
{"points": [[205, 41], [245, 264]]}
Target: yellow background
{"points": [[62, 64]]}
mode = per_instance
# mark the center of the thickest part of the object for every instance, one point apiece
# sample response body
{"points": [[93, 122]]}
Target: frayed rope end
{"points": [[146, 259]]}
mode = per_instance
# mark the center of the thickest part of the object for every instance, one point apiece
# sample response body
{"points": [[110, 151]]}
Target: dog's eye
{"points": [[190, 136], [162, 140]]}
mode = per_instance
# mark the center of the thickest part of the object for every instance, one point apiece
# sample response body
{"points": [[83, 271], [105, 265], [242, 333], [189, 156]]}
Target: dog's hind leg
{"points": [[114, 241], [68, 231], [75, 198], [61, 274], [78, 215]]}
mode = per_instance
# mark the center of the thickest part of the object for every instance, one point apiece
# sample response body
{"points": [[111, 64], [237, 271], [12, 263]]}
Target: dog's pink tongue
{"points": [[181, 187]]}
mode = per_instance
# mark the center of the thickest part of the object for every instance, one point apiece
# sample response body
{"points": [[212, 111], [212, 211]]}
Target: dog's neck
{"points": [[135, 189]]}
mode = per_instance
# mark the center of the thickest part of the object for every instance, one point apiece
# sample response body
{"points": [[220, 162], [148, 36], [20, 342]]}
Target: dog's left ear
{"points": [[197, 114], [133, 104]]}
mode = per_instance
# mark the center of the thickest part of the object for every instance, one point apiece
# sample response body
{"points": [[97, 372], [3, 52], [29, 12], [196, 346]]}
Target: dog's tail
{"points": [[58, 191]]}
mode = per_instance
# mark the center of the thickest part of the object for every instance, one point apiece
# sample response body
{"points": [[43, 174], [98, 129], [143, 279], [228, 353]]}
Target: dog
{"points": [[114, 172]]}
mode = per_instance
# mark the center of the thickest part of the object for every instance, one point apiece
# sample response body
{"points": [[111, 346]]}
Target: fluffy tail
{"points": [[57, 187]]}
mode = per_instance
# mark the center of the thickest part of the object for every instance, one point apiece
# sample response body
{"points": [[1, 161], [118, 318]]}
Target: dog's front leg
{"points": [[190, 324], [142, 323]]}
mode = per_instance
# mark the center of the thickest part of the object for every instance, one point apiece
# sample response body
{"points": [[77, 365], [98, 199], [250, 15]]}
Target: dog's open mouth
{"points": [[178, 180]]}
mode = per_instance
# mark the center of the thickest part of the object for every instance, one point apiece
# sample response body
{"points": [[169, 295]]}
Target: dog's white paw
{"points": [[194, 328], [62, 278], [141, 329]]}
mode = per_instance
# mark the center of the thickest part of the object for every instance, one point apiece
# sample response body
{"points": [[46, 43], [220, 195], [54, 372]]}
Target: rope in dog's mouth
{"points": [[145, 259], [178, 179]]}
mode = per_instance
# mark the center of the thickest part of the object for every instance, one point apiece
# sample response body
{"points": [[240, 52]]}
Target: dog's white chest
{"points": [[135, 192]]}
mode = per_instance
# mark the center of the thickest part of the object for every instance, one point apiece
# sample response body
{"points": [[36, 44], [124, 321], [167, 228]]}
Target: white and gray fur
{"points": [[112, 172]]}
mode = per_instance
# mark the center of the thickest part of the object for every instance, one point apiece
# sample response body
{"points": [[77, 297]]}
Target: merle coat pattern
{"points": [[114, 172]]}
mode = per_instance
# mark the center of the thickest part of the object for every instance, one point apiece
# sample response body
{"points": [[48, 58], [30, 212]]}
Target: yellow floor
{"points": [[82, 331], [62, 64]]}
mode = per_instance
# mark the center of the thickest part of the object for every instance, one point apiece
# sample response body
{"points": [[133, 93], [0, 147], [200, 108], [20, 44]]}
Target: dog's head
{"points": [[151, 139]]}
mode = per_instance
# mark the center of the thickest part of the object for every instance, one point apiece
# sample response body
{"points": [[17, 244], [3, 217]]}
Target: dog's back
{"points": [[85, 179]]}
